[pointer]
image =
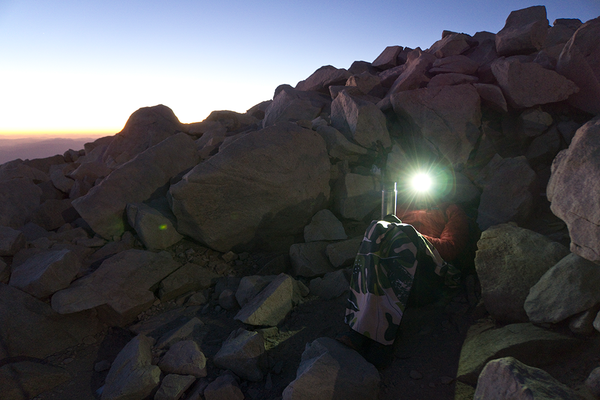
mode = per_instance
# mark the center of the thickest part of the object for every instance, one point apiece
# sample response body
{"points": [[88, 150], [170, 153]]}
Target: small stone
{"points": [[446, 380], [414, 374], [229, 256], [68, 360]]}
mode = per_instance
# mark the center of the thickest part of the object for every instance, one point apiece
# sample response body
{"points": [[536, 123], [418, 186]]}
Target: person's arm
{"points": [[454, 237]]}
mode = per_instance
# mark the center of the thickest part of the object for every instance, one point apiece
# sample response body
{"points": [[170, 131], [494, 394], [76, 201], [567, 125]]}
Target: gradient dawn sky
{"points": [[84, 66]]}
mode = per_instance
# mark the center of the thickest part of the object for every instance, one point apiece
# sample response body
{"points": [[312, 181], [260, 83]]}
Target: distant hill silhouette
{"points": [[30, 148]]}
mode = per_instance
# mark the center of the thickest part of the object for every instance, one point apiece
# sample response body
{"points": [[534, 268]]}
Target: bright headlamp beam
{"points": [[421, 182]]}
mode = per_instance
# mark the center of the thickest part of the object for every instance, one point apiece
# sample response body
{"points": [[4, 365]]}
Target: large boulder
{"points": [[568, 288], [509, 261], [452, 44], [531, 344], [574, 190], [291, 105], [259, 191], [528, 84], [524, 32], [413, 76], [509, 191], [31, 328], [509, 375], [120, 288], [132, 375], [324, 77], [330, 370], [104, 205], [145, 128], [46, 273], [580, 62], [448, 116], [360, 121], [19, 198]]}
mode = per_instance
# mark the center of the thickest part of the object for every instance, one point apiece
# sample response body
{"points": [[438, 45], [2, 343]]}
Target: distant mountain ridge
{"points": [[31, 147]]}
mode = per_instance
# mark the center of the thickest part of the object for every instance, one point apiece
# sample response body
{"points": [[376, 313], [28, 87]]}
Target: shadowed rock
{"points": [[31, 328], [527, 342], [132, 376], [274, 181], [509, 375], [509, 261], [119, 288], [330, 370], [104, 205]]}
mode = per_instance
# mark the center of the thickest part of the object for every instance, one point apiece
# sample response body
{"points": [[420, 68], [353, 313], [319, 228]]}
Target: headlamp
{"points": [[421, 183]]}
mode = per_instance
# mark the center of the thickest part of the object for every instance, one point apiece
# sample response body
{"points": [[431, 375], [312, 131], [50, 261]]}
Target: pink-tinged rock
{"points": [[231, 120], [580, 62], [524, 32], [104, 205], [46, 273], [574, 190], [145, 128], [448, 116], [492, 96], [11, 241], [414, 75], [260, 190], [18, 169], [90, 171], [454, 64], [324, 77], [389, 76], [451, 79], [388, 58], [18, 200], [452, 44], [360, 121], [119, 289], [365, 82], [561, 31], [528, 84], [30, 328], [290, 104]]}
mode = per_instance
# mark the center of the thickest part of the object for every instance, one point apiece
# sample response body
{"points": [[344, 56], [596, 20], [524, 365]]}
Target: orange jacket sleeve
{"points": [[455, 235]]}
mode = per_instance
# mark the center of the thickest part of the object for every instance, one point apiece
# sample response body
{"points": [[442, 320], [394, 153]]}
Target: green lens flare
{"points": [[163, 227]]}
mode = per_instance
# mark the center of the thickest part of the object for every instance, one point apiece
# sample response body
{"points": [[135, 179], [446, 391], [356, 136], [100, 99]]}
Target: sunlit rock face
{"points": [[261, 190]]}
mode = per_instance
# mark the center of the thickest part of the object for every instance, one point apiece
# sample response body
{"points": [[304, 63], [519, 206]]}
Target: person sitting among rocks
{"points": [[402, 262]]}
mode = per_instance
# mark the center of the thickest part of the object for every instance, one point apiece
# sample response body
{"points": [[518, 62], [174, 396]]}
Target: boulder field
{"points": [[211, 260]]}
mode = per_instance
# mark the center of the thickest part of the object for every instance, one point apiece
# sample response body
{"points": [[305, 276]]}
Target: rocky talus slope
{"points": [[211, 260]]}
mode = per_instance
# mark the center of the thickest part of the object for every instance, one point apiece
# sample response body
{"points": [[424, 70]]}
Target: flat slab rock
{"points": [[530, 344]]}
